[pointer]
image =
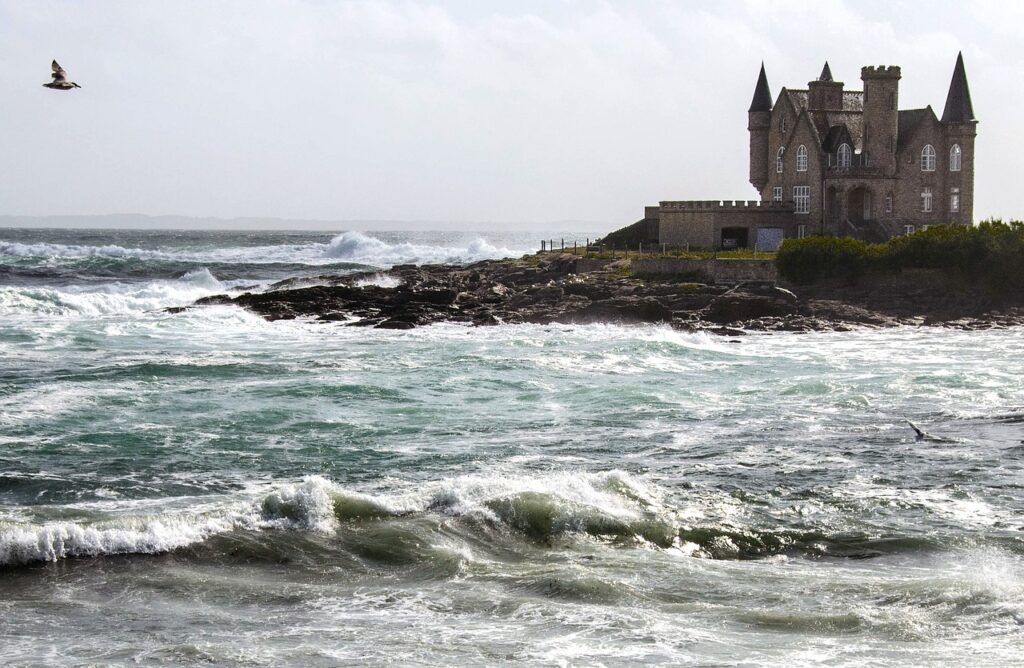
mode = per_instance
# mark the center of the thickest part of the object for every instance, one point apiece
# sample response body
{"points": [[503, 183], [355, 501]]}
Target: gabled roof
{"points": [[762, 96], [908, 120], [958, 101], [836, 137], [851, 126]]}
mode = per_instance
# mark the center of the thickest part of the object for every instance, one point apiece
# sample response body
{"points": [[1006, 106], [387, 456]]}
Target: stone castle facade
{"points": [[838, 162]]}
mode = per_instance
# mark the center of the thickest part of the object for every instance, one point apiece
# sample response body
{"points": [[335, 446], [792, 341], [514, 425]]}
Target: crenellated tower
{"points": [[881, 117], [759, 118]]}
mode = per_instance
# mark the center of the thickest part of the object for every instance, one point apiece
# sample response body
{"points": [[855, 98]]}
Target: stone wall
{"points": [[699, 224], [710, 271]]}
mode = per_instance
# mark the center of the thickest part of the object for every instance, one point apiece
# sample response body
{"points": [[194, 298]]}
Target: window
{"points": [[844, 156], [955, 158], [926, 199], [778, 160], [801, 231], [892, 101], [777, 194], [801, 159], [928, 158], [782, 125], [908, 230], [888, 203], [802, 199], [954, 200]]}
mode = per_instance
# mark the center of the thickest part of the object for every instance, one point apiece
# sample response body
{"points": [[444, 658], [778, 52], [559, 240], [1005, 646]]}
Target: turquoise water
{"points": [[209, 486]]}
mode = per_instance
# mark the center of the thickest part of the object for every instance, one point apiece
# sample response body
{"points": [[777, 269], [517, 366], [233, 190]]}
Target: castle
{"points": [[830, 161]]}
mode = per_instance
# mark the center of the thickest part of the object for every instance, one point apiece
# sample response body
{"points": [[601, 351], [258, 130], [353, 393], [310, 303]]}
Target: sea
{"points": [[207, 487]]}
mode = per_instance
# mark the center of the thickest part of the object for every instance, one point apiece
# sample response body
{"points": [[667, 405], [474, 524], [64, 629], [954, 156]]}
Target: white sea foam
{"points": [[111, 298], [25, 543], [561, 502], [365, 249]]}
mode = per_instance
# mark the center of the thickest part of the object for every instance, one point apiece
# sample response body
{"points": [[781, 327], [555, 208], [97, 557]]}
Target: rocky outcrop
{"points": [[547, 289]]}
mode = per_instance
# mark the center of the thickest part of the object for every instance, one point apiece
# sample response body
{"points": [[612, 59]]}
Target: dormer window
{"points": [[801, 159], [778, 160], [955, 158], [844, 156], [928, 158]]}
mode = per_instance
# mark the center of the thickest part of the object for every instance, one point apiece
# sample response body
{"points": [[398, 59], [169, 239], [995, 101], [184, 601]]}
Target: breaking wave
{"points": [[354, 247], [612, 507], [362, 248], [111, 298]]}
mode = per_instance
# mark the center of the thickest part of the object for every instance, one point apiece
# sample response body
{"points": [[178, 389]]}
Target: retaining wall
{"points": [[711, 271]]}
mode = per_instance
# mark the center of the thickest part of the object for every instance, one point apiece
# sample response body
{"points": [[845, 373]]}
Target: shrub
{"points": [[991, 253], [812, 259]]}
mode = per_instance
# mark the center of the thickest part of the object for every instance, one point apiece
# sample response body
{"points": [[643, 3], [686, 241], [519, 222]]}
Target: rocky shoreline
{"points": [[547, 289]]}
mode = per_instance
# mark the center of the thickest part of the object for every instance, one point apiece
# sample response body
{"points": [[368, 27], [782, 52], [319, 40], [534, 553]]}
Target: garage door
{"points": [[769, 238]]}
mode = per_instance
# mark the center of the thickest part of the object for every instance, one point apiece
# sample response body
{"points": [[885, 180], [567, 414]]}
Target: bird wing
{"points": [[58, 71]]}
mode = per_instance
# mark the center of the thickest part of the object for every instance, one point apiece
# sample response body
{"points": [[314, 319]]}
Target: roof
{"points": [[762, 96], [907, 121], [851, 117], [958, 101], [852, 123], [826, 73]]}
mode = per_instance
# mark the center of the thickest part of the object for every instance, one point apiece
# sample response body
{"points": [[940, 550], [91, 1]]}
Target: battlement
{"points": [[725, 205], [880, 72]]}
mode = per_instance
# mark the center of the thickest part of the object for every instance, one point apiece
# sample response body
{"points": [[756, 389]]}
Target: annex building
{"points": [[826, 160]]}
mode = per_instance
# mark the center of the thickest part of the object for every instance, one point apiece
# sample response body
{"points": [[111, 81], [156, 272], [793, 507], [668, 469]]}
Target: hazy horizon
{"points": [[454, 113], [132, 221]]}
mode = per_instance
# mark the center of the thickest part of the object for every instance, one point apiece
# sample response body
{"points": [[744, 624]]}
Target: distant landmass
{"points": [[171, 222]]}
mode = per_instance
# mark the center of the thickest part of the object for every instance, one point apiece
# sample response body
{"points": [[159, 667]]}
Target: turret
{"points": [[824, 94], [881, 101], [961, 129], [759, 118]]}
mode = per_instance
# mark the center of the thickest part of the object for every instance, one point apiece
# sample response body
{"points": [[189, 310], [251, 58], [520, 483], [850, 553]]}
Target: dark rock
{"points": [[547, 290]]}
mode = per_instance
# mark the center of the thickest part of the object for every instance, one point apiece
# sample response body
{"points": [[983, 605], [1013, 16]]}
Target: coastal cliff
{"points": [[552, 289]]}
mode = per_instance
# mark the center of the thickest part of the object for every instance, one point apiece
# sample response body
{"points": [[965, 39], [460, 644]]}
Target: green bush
{"points": [[991, 253], [812, 259]]}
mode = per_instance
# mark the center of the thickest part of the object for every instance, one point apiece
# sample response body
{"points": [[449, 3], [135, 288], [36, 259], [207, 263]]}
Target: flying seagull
{"points": [[60, 79]]}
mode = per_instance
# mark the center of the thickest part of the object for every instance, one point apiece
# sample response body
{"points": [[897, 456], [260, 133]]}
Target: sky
{"points": [[495, 114]]}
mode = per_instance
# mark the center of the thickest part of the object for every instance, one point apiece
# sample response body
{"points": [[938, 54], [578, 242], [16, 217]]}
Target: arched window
{"points": [[955, 158], [778, 160], [801, 159], [844, 156], [928, 158]]}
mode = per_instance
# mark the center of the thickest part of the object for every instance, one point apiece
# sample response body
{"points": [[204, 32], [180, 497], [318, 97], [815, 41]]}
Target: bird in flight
{"points": [[60, 79]]}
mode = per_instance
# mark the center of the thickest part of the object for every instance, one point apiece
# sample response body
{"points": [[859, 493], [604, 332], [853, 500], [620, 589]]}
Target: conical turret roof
{"points": [[958, 101], [762, 96], [826, 73]]}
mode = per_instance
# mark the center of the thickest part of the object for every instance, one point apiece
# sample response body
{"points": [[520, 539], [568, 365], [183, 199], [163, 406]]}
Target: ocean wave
{"points": [[354, 247], [48, 250], [110, 298], [614, 507], [359, 247]]}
